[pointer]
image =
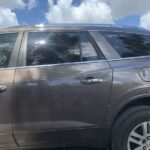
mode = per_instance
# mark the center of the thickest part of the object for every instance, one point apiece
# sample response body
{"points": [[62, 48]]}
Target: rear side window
{"points": [[129, 44], [7, 43], [58, 47]]}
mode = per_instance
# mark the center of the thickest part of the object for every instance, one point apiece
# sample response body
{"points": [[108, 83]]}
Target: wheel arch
{"points": [[140, 101]]}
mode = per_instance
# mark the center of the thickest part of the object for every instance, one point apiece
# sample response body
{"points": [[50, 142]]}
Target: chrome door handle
{"points": [[3, 88], [92, 81]]}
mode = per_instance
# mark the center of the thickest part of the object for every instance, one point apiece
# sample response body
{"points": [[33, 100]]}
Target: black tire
{"points": [[124, 125]]}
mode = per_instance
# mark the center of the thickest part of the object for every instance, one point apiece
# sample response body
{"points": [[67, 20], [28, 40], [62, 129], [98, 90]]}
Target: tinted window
{"points": [[7, 43], [129, 44], [57, 47]]}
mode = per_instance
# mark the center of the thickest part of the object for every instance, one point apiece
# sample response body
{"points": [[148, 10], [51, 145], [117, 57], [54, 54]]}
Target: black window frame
{"points": [[22, 57]]}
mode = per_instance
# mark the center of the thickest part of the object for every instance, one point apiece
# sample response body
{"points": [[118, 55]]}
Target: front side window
{"points": [[7, 43], [58, 47], [129, 44]]}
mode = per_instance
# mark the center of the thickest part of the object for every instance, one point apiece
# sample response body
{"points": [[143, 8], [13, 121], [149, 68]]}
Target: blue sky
{"points": [[34, 15], [32, 12], [37, 14], [129, 21]]}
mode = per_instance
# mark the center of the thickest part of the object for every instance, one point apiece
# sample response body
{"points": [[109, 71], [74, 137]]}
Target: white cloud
{"points": [[95, 11], [145, 21], [7, 17], [31, 4], [12, 4], [123, 8], [89, 11]]}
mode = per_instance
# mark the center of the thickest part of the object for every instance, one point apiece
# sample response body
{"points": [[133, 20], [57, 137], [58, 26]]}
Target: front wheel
{"points": [[132, 130]]}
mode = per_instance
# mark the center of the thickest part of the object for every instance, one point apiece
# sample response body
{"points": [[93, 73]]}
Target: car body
{"points": [[68, 104]]}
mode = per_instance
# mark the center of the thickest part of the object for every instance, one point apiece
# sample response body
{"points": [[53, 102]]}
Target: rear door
{"points": [[61, 90], [9, 49]]}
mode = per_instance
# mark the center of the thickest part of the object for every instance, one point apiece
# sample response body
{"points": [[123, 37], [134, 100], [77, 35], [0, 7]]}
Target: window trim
{"points": [[96, 47], [128, 58], [119, 56], [104, 46], [61, 64], [22, 56], [15, 52]]}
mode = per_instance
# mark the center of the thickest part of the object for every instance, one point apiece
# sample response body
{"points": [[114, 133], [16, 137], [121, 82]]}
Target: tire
{"points": [[131, 120]]}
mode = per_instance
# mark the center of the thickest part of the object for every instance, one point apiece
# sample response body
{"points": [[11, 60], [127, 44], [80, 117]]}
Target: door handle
{"points": [[92, 81], [3, 88]]}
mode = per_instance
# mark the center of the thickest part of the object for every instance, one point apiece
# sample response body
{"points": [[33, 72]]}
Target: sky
{"points": [[35, 12]]}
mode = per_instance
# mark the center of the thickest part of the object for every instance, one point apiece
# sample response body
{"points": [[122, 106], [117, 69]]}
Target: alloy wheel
{"points": [[139, 138]]}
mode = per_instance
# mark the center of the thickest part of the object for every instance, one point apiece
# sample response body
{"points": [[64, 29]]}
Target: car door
{"points": [[9, 49], [61, 89]]}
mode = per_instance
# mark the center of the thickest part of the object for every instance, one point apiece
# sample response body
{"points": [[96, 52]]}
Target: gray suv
{"points": [[75, 86]]}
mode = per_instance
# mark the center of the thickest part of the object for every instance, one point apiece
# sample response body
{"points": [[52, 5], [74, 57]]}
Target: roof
{"points": [[100, 27]]}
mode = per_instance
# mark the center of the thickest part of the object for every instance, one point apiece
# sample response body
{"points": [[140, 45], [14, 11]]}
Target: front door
{"points": [[9, 49], [62, 91]]}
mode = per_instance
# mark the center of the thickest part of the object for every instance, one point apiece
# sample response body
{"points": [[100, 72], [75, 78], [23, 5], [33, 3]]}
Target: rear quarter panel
{"points": [[128, 84]]}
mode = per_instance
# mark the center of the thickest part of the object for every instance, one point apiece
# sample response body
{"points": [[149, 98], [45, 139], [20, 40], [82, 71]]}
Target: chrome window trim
{"points": [[87, 27], [74, 63], [9, 32], [57, 30], [51, 65], [87, 30], [132, 32], [128, 58]]}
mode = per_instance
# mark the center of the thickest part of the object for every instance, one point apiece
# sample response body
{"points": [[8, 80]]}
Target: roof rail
{"points": [[76, 24]]}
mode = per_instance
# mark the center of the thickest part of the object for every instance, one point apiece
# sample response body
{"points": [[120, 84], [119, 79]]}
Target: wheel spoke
{"points": [[144, 126], [137, 135], [131, 139], [148, 128], [139, 148]]}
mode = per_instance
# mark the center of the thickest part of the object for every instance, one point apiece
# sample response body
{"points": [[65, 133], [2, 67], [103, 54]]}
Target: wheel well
{"points": [[138, 102]]}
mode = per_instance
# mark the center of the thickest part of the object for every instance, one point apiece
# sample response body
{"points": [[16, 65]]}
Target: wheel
{"points": [[132, 130]]}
